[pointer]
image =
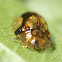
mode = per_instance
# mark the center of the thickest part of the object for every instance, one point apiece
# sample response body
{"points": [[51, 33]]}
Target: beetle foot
{"points": [[25, 46]]}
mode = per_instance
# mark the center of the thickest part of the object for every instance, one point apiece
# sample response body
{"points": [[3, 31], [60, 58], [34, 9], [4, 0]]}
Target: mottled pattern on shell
{"points": [[33, 31]]}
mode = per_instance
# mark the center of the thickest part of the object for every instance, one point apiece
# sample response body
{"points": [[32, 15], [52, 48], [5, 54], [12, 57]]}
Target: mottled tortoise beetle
{"points": [[32, 30]]}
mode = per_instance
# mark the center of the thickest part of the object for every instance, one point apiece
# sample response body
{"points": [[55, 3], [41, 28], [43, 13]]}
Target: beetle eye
{"points": [[18, 31]]}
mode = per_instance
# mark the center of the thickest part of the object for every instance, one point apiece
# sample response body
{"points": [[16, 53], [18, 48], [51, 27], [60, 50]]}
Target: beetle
{"points": [[32, 30]]}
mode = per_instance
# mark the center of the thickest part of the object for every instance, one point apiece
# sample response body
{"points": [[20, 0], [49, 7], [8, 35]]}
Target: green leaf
{"points": [[7, 55], [51, 10]]}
